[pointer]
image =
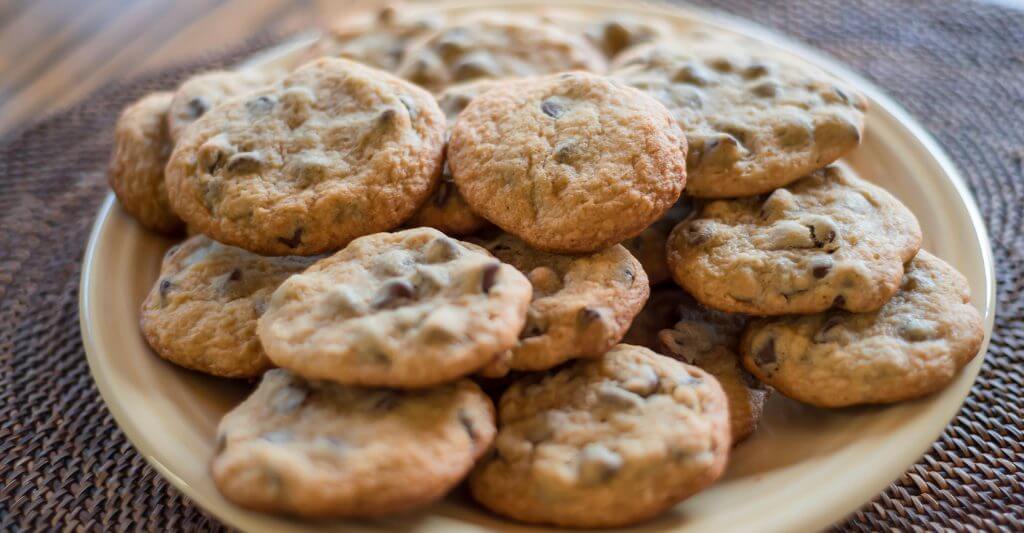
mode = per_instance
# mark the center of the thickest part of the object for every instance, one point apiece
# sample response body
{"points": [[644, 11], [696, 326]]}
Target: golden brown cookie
{"points": [[568, 163], [333, 151]]}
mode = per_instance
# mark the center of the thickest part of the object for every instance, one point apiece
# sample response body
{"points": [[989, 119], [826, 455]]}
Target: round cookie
{"points": [[202, 310], [319, 449], [446, 209], [604, 442], [582, 304], [754, 122], [674, 324], [379, 42], [827, 240], [649, 246], [136, 169], [914, 345], [509, 46], [408, 309], [333, 151], [202, 92], [569, 163]]}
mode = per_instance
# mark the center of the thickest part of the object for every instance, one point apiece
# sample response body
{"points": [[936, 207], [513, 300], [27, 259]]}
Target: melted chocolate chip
{"points": [[765, 355], [235, 275], [489, 276], [197, 106], [587, 316], [393, 294], [165, 287], [294, 240], [821, 267], [839, 301], [551, 108], [531, 330], [245, 163]]}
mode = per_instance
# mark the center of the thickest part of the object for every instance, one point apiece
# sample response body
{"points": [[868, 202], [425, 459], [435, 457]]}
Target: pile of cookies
{"points": [[621, 237]]}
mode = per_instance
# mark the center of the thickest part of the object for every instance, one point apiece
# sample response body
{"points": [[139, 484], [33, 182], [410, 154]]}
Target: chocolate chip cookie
{"points": [[914, 345], [136, 171], [202, 311], [649, 246], [827, 240], [446, 209], [582, 304], [674, 324], [319, 449], [754, 122], [200, 93], [333, 151], [507, 46], [605, 442], [408, 309], [379, 42], [569, 163]]}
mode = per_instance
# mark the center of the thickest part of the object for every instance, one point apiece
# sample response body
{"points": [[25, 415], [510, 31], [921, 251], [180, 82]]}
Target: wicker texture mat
{"points": [[957, 66]]}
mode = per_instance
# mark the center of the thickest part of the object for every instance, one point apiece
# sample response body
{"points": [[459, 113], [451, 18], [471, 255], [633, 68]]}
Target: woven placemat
{"points": [[957, 66]]}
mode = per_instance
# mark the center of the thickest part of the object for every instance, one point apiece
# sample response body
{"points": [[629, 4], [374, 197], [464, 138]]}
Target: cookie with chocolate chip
{"points": [[649, 246], [202, 310], [409, 309], [333, 151], [604, 442], [914, 345], [754, 122], [136, 171], [507, 46], [379, 41], [319, 449], [200, 93], [827, 240], [582, 304], [569, 163], [446, 209], [674, 324]]}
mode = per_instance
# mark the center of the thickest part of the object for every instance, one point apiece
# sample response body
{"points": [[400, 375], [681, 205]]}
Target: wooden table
{"points": [[54, 52]]}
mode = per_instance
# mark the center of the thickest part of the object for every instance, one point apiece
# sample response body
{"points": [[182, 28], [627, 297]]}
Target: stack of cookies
{"points": [[622, 238]]}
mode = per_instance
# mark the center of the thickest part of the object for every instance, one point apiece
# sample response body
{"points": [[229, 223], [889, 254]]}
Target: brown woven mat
{"points": [[957, 66]]}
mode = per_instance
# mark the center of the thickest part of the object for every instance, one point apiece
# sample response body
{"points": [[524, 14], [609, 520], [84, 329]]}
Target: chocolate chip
{"points": [[821, 266], [721, 64], [690, 74], [629, 275], [387, 117], [565, 151], [467, 424], [551, 108], [598, 464], [765, 89], [531, 330], [293, 241], [489, 276], [197, 106], [827, 238], [755, 70], [217, 162], [165, 287], [765, 355], [832, 322], [839, 301], [277, 437], [235, 275], [697, 233], [393, 294], [288, 399], [245, 163], [260, 105]]}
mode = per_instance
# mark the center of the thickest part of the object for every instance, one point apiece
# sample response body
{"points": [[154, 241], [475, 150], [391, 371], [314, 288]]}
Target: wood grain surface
{"points": [[54, 52]]}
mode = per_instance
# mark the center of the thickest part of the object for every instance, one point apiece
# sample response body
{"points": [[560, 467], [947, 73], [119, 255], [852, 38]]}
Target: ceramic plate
{"points": [[804, 468]]}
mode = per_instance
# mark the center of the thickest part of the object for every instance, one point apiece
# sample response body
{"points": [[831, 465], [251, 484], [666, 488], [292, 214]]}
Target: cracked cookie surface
{"points": [[408, 309], [446, 209], [827, 240], [202, 311], [510, 46], [569, 163], [136, 170], [202, 92], [914, 345], [319, 449], [604, 442], [333, 151], [582, 304], [753, 121]]}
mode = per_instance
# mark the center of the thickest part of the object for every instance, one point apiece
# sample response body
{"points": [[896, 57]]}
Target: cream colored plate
{"points": [[804, 469]]}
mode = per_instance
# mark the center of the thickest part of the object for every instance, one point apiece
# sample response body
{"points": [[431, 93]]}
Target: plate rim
{"points": [[900, 462]]}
